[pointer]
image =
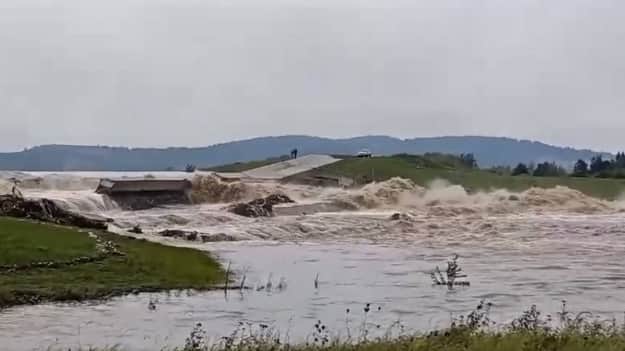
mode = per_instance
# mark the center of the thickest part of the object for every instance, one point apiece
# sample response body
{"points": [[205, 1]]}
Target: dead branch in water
{"points": [[452, 273]]}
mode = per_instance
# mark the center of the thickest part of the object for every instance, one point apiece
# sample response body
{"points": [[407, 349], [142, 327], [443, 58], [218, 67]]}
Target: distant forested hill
{"points": [[489, 151]]}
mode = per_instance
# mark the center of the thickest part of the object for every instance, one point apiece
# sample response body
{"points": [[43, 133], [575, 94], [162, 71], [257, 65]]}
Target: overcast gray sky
{"points": [[197, 72]]}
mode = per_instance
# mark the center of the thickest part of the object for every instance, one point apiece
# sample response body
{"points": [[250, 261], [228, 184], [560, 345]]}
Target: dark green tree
{"points": [[541, 170], [521, 168], [598, 165], [619, 161], [468, 160], [548, 169], [580, 169]]}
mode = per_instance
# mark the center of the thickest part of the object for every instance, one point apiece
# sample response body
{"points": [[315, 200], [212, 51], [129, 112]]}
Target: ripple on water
{"points": [[549, 268]]}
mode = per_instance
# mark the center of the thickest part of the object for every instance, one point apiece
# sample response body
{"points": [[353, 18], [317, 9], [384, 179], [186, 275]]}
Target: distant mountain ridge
{"points": [[489, 151]]}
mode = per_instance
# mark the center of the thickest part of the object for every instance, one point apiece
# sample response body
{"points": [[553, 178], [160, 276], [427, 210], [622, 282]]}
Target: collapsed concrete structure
{"points": [[144, 193], [280, 170]]}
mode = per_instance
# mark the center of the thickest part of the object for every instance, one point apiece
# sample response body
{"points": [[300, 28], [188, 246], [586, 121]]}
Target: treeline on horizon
{"points": [[597, 167]]}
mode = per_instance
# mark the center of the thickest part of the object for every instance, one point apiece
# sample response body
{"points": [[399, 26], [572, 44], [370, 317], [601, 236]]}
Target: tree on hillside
{"points": [[598, 165], [468, 160], [541, 170], [619, 161], [521, 168], [548, 169], [580, 169]]}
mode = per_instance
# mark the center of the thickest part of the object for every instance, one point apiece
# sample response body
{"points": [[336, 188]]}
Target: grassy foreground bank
{"points": [[518, 341], [475, 331], [42, 262], [423, 170], [444, 341], [460, 341]]}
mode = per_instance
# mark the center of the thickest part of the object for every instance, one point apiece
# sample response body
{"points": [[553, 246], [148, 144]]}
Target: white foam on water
{"points": [[353, 213]]}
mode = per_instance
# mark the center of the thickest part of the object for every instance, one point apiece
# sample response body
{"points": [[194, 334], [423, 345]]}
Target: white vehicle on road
{"points": [[364, 153]]}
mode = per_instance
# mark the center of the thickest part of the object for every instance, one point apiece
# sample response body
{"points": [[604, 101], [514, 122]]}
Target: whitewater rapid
{"points": [[441, 210]]}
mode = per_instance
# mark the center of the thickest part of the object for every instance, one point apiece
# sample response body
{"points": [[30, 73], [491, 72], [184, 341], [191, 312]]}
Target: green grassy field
{"points": [[144, 266], [423, 170], [24, 242]]}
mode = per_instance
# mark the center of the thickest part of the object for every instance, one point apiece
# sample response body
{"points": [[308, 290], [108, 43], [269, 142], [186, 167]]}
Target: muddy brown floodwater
{"points": [[537, 247]]}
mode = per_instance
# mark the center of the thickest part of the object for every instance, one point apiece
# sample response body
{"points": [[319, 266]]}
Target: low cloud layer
{"points": [[190, 72]]}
